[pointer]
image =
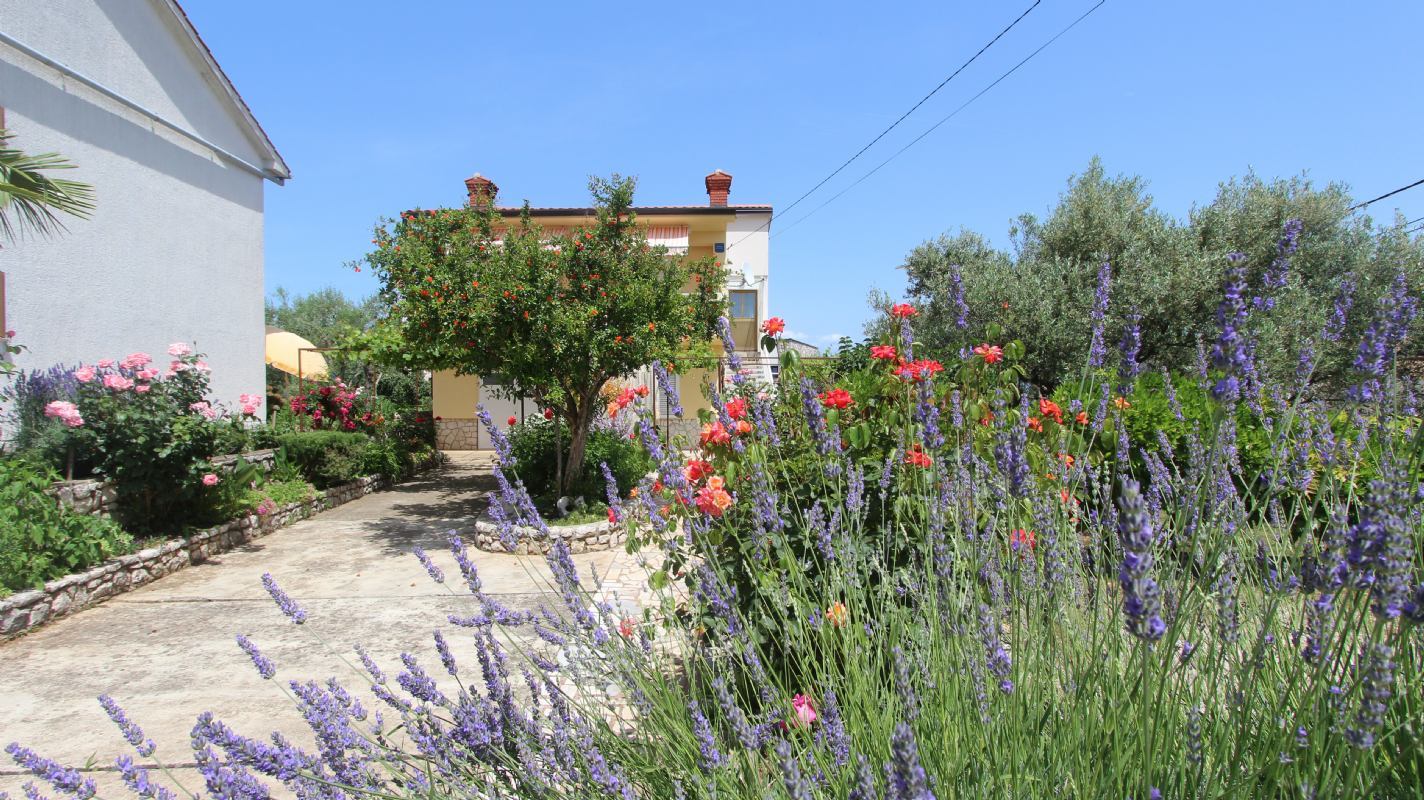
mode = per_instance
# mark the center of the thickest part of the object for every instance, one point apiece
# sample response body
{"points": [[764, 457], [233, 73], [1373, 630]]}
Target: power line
{"points": [[893, 125], [948, 117], [1386, 194]]}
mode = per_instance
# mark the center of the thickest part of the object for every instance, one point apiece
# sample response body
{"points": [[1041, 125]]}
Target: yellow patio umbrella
{"points": [[294, 355]]}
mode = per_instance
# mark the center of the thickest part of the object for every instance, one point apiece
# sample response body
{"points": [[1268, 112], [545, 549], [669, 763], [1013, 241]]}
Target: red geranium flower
{"points": [[836, 398], [903, 311], [512, 421], [923, 369], [737, 407], [885, 352], [773, 326], [1020, 539], [991, 353], [1048, 408], [917, 457]]}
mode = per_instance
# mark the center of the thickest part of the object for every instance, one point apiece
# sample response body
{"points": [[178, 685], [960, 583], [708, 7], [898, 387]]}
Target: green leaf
{"points": [[658, 580]]}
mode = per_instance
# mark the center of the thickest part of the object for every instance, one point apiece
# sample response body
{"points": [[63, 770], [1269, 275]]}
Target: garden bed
{"points": [[586, 538]]}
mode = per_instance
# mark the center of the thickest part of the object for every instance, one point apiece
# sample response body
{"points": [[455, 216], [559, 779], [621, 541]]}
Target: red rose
{"points": [[512, 422]]}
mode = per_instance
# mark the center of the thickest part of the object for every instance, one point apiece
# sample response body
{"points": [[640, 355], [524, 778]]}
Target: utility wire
{"points": [[947, 118], [1386, 194], [893, 125]]}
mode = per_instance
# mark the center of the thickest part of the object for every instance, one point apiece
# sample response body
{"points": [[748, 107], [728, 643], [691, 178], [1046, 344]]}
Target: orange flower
{"points": [[884, 352], [715, 434], [1021, 539], [694, 472], [773, 326], [713, 502], [1067, 459], [737, 407], [837, 614], [1082, 418], [917, 457], [991, 353], [1121, 403], [743, 427], [716, 482], [626, 627], [1035, 424], [903, 311], [1050, 409], [836, 398]]}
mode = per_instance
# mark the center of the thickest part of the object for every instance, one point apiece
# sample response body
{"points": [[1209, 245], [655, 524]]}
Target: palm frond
{"points": [[31, 201]]}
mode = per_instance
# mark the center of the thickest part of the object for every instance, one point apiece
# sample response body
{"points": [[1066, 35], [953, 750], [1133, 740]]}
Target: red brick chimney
{"points": [[482, 191], [719, 185]]}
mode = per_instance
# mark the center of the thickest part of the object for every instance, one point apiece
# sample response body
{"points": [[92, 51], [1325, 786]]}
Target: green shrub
{"points": [[326, 458], [536, 456], [40, 541], [384, 457]]}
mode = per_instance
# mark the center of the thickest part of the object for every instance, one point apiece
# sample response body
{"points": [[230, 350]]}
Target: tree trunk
{"points": [[580, 418]]}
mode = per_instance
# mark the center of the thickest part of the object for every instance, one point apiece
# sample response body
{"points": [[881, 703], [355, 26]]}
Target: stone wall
{"points": [[95, 497], [580, 538], [25, 610], [457, 434]]}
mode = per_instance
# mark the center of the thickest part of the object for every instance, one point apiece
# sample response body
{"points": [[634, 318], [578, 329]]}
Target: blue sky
{"points": [[378, 108]]}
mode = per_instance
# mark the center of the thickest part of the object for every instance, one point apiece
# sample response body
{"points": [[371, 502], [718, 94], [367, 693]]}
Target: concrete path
{"points": [[166, 652]]}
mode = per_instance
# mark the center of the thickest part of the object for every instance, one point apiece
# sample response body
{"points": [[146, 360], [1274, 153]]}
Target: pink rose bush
{"points": [[336, 406], [152, 433]]}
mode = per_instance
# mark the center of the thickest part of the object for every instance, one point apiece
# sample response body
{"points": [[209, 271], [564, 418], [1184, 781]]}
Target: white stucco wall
{"points": [[749, 252], [174, 249]]}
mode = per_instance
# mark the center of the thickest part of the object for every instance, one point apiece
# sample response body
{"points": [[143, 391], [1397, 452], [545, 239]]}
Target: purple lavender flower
{"points": [[1276, 274], [1383, 338], [1000, 663], [907, 779], [289, 606], [446, 657], [956, 297], [1097, 350], [137, 779], [904, 685], [1140, 595], [734, 361], [1129, 347], [669, 388], [1376, 688], [264, 665], [831, 733], [797, 787], [763, 419], [864, 788], [430, 567], [66, 780], [133, 734], [1232, 353], [711, 757], [502, 449], [610, 488], [927, 415], [746, 733], [1340, 310]]}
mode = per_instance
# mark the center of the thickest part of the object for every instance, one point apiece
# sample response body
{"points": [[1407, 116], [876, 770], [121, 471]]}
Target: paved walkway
{"points": [[166, 653]]}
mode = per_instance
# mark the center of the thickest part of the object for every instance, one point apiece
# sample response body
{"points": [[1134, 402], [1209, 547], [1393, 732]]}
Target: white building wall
{"points": [[174, 248], [749, 256]]}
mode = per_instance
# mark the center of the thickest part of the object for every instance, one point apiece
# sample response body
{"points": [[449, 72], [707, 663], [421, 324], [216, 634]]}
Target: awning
{"points": [[673, 237]]}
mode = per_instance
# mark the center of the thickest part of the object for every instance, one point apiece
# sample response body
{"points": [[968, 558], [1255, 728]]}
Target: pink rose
{"points": [[66, 412], [179, 349], [202, 366], [9, 334], [805, 713], [205, 409], [106, 363], [142, 388], [84, 374], [212, 480], [146, 374], [117, 382], [136, 360]]}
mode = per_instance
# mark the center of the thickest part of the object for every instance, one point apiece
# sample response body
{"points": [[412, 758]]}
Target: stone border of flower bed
{"points": [[96, 497], [27, 610], [586, 538]]}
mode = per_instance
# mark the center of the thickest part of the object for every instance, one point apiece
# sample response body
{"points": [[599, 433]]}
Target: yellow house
{"points": [[736, 235]]}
